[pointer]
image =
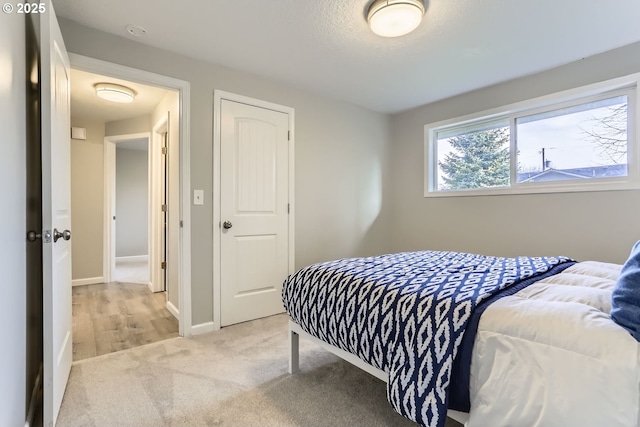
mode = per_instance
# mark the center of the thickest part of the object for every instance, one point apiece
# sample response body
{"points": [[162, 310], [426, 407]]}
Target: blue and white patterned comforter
{"points": [[405, 314]]}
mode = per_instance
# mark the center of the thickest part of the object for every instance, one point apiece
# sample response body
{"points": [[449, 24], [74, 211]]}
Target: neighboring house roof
{"points": [[552, 175], [575, 173]]}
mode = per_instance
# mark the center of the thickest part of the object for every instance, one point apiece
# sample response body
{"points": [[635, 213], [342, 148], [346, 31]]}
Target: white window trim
{"points": [[532, 106]]}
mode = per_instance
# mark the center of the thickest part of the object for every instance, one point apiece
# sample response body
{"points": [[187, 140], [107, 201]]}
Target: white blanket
{"points": [[550, 355]]}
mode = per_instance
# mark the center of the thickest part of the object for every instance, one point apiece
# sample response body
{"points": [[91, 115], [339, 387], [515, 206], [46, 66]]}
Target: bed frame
{"points": [[295, 331]]}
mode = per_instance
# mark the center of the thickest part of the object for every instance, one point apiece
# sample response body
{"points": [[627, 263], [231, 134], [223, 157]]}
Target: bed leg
{"points": [[294, 360]]}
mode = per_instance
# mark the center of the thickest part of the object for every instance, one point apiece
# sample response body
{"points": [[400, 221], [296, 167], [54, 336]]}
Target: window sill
{"points": [[536, 189]]}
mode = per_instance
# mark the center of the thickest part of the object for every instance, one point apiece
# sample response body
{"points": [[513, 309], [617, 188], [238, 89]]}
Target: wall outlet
{"points": [[198, 197]]}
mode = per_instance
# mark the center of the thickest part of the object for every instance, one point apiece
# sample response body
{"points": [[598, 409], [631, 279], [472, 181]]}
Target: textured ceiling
{"points": [[325, 45], [85, 104]]}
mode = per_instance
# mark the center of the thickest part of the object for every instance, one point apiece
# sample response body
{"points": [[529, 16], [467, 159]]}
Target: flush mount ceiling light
{"points": [[115, 93], [393, 18]]}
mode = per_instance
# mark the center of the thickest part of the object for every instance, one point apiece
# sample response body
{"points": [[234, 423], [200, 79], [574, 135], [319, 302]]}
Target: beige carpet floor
{"points": [[234, 377]]}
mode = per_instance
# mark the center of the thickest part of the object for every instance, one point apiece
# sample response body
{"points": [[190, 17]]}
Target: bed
{"points": [[487, 341]]}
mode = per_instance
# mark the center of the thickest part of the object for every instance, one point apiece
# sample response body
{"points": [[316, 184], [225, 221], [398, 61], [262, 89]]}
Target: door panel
{"points": [[262, 250], [254, 201], [256, 166], [56, 215]]}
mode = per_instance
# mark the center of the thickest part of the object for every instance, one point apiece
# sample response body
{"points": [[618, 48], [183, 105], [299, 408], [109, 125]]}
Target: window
{"points": [[573, 141]]}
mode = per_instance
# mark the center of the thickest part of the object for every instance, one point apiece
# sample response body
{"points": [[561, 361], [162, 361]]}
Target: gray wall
{"points": [[13, 213], [588, 225], [138, 124], [131, 221], [87, 199], [132, 180], [341, 158]]}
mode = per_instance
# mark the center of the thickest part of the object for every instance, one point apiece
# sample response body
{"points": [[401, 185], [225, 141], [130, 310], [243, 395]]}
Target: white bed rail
{"points": [[294, 361]]}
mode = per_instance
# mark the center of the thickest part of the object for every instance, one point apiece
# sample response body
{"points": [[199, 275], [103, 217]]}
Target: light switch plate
{"points": [[198, 197]]}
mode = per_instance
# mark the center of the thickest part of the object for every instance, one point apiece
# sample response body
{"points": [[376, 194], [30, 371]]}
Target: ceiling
{"points": [[325, 46], [85, 104]]}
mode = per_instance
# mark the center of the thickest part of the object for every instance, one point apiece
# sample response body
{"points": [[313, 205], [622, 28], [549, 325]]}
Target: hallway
{"points": [[114, 316]]}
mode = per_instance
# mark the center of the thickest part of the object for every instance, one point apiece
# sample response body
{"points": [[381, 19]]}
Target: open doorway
{"points": [[141, 209], [124, 197], [132, 206]]}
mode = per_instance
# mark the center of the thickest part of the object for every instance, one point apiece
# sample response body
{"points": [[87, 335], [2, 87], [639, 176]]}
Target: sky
{"points": [[565, 139]]}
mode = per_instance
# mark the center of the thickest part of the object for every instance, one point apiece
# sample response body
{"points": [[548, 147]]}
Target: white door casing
{"points": [[109, 220], [255, 231], [56, 214]]}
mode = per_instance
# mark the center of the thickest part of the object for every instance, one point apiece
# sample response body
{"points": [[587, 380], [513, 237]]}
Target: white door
{"points": [[164, 216], [159, 214], [254, 182], [56, 215]]}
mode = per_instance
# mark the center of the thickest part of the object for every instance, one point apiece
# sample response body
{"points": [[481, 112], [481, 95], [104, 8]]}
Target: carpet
{"points": [[234, 377]]}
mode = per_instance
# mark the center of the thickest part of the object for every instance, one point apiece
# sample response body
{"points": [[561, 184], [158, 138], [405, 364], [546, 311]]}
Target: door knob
{"points": [[65, 235], [32, 236], [227, 225]]}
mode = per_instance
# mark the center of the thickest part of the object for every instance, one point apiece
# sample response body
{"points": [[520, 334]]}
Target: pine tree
{"points": [[479, 160]]}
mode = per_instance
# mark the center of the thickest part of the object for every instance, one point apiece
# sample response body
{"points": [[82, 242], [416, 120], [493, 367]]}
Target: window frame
{"points": [[627, 85]]}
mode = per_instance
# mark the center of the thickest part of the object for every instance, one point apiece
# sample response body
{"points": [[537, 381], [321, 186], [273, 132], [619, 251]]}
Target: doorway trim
{"points": [[218, 97], [156, 238], [109, 238], [92, 65]]}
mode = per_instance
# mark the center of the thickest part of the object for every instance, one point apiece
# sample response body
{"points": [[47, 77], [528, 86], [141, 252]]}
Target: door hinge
{"points": [[164, 208], [288, 208], [288, 135], [181, 224], [164, 150], [163, 265]]}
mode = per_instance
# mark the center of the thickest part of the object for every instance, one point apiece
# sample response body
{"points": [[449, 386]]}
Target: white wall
{"points": [[587, 225], [12, 215], [132, 180], [87, 196], [341, 157], [170, 105]]}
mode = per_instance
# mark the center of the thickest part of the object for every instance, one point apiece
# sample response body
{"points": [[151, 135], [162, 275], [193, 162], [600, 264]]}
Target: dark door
{"points": [[33, 227]]}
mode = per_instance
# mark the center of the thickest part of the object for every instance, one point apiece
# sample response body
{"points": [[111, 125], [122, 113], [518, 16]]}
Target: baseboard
{"points": [[135, 258], [202, 328], [87, 281], [173, 310]]}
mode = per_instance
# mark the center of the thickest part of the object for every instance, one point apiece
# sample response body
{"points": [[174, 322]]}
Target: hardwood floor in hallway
{"points": [[114, 316]]}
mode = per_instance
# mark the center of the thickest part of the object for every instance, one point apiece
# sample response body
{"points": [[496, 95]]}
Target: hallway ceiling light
{"points": [[393, 18], [115, 93]]}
